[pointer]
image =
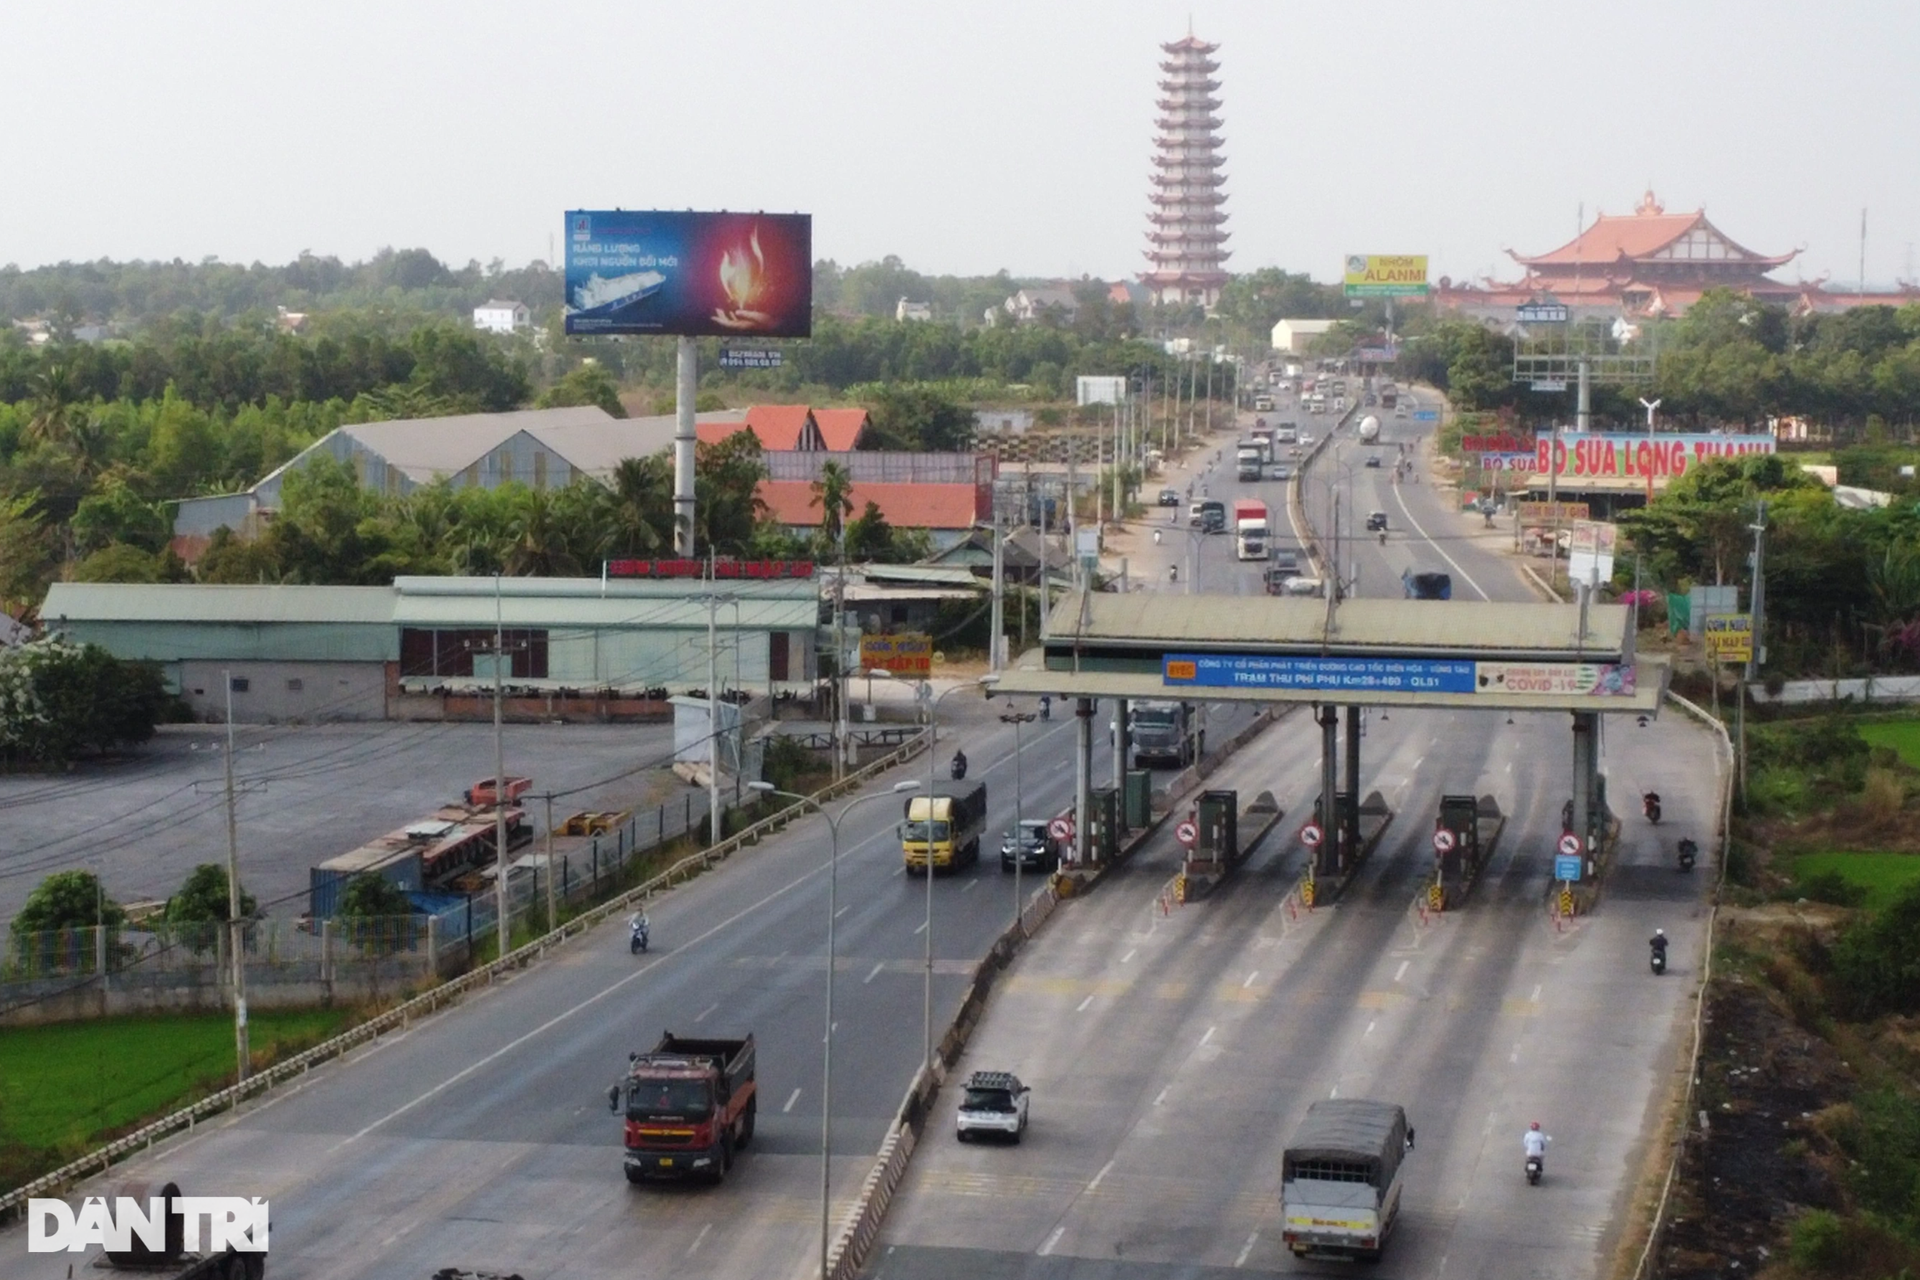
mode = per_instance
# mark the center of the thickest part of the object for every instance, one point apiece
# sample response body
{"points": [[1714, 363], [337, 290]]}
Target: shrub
{"points": [[1819, 1241], [1876, 962], [1832, 888]]}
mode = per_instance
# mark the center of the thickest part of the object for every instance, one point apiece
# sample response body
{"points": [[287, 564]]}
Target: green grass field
{"points": [[65, 1084], [1902, 735], [1880, 874]]}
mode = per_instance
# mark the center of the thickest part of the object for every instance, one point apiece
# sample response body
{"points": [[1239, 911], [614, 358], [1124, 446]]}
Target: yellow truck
{"points": [[943, 830]]}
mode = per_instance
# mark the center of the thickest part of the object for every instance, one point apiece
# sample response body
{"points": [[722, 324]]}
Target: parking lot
{"points": [[307, 793]]}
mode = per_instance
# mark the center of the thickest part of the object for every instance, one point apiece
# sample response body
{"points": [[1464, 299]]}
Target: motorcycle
{"points": [[1535, 1167], [959, 766], [1383, 537], [1650, 805], [637, 935], [1688, 852], [1658, 960], [1173, 573]]}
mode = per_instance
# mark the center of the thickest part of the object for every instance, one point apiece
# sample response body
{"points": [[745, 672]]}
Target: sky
{"points": [[964, 137]]}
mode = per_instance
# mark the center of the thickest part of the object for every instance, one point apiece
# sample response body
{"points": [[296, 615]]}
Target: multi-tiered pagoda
{"points": [[1185, 236]]}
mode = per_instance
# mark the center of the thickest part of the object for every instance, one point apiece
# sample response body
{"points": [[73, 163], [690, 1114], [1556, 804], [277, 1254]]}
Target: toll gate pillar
{"points": [[1121, 744], [1082, 779], [1350, 814], [1328, 857], [1583, 761]]}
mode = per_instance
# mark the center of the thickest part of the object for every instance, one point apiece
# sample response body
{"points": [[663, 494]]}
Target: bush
{"points": [[371, 896], [1876, 962], [1832, 888], [203, 897], [1882, 1137], [59, 699], [1819, 1241], [68, 900]]}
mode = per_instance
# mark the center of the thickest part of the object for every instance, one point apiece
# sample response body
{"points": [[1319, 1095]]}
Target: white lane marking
{"points": [[971, 883], [1161, 1097], [1401, 498], [1335, 1093], [1401, 972], [1515, 1055], [1128, 956], [1250, 978], [921, 927], [900, 870], [1208, 1036], [1052, 1240], [876, 972], [699, 1240], [791, 1099], [1419, 761], [702, 1015], [724, 926], [1246, 1249], [1100, 1177], [1084, 1004], [1370, 1027], [842, 911], [1536, 992]]}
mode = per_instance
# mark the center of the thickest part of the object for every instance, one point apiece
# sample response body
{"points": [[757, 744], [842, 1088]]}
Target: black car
{"points": [[1033, 844], [1169, 497], [1376, 522], [1373, 460]]}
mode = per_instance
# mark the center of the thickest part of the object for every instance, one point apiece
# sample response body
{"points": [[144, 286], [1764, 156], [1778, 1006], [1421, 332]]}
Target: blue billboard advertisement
{"points": [[1276, 671], [690, 274]]}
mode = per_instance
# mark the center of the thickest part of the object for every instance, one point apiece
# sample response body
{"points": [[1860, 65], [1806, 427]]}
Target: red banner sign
{"points": [[720, 568], [1500, 442]]}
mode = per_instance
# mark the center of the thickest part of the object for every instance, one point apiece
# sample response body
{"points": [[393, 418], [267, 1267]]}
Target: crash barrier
{"points": [[1722, 834], [1541, 585], [1296, 505], [101, 1158], [1866, 689]]}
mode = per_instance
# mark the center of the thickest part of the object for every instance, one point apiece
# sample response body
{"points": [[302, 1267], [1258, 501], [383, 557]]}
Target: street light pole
{"points": [[1016, 719], [236, 929], [826, 1063], [933, 741]]}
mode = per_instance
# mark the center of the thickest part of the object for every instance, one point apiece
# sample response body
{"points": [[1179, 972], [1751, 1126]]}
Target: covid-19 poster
{"points": [[691, 274]]}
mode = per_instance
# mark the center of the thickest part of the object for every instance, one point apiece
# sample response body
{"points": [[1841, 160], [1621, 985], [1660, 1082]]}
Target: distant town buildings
{"points": [[1293, 335], [497, 316], [904, 311], [1185, 236]]}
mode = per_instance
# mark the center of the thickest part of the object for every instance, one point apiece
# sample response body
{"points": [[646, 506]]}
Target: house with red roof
{"points": [[793, 428], [947, 512]]}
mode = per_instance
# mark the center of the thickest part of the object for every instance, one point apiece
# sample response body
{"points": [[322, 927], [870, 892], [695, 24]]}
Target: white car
{"points": [[995, 1102]]}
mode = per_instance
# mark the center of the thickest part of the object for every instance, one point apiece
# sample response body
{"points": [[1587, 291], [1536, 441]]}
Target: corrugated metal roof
{"points": [[1275, 623], [584, 602], [170, 602]]}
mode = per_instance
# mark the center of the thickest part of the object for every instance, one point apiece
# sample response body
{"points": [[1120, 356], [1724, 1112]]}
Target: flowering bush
{"points": [[59, 699]]}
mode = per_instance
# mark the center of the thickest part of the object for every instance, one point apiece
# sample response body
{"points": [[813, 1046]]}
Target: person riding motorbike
{"points": [[1173, 573], [1383, 537], [959, 765], [1534, 1143], [1657, 956], [1156, 537], [638, 931], [1688, 852], [1650, 805]]}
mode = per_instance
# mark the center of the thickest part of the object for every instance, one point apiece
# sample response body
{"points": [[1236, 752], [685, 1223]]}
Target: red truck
{"points": [[690, 1105]]}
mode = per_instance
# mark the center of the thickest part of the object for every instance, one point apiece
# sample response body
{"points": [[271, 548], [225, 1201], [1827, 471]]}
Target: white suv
{"points": [[995, 1102]]}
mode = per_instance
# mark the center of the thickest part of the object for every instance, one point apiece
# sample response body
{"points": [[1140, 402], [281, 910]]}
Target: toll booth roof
{"points": [[1162, 622]]}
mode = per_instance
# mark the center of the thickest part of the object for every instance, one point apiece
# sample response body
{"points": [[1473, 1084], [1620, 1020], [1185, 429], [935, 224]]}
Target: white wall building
{"points": [[502, 317]]}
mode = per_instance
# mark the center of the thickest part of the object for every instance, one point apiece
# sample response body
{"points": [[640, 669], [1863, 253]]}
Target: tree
{"points": [[118, 562], [68, 900], [869, 538], [26, 551], [114, 513], [588, 384], [371, 896], [921, 418], [831, 494], [202, 897]]}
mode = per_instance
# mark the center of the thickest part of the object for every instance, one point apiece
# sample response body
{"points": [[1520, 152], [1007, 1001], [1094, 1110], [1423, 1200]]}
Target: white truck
{"points": [[1340, 1178], [1252, 528], [1369, 429]]}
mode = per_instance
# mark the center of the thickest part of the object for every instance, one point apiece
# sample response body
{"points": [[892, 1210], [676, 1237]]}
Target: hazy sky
{"points": [[964, 137]]}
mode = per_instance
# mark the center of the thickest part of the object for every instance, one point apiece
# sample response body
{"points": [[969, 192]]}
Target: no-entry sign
{"points": [[1310, 834], [1186, 833], [1442, 840], [1060, 829], [1570, 844]]}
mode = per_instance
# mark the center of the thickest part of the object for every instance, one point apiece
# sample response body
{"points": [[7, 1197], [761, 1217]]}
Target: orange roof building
{"points": [[949, 509], [793, 428]]}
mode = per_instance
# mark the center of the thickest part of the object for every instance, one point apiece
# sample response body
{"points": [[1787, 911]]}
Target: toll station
{"points": [[1494, 657]]}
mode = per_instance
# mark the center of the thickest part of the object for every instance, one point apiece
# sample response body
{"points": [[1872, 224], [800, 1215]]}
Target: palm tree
{"points": [[51, 419], [832, 493], [643, 488]]}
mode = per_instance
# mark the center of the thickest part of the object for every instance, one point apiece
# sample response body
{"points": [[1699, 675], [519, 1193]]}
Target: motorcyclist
{"points": [[1156, 537], [1173, 573], [1535, 1143], [959, 766], [638, 931], [1659, 943]]}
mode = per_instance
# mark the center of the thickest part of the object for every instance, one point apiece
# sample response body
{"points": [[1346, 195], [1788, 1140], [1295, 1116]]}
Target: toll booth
{"points": [[1217, 816], [1103, 824], [1342, 837], [1464, 836], [1138, 801]]}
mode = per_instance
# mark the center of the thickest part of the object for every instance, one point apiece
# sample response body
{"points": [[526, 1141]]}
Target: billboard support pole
{"points": [[686, 387]]}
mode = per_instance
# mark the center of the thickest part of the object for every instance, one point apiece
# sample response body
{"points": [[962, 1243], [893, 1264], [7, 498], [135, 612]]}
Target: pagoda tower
{"points": [[1185, 236]]}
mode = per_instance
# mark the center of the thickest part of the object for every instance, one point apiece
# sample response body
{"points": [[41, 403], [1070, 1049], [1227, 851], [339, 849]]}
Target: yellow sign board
{"points": [[907, 654], [1729, 637], [1386, 275], [1533, 512]]}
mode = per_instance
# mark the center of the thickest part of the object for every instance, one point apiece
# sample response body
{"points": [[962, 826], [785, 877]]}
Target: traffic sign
{"points": [[1060, 829], [1566, 868], [1426, 415], [1310, 834], [1569, 844], [1186, 833], [1442, 840]]}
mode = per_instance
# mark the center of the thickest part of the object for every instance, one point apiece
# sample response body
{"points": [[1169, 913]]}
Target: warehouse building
{"points": [[576, 648]]}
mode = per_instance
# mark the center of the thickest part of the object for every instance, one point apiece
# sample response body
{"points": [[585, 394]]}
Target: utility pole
{"points": [[503, 930], [1757, 604], [999, 627], [553, 917], [236, 928]]}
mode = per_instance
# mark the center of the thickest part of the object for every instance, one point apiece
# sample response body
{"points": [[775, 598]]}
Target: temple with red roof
{"points": [[1647, 264]]}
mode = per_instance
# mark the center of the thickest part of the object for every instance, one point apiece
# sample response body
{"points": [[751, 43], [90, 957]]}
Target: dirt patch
{"points": [[1762, 1158]]}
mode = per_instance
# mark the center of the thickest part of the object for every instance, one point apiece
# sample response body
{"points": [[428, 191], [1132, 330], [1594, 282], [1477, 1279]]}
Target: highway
{"points": [[1172, 1049]]}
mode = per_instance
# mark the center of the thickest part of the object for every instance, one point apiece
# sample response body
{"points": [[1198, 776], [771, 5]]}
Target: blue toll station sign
{"points": [[1314, 672], [1566, 868], [1426, 415]]}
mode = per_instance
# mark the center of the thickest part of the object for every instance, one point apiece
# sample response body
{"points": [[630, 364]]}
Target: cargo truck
{"points": [[942, 831], [1252, 527], [1428, 585], [1249, 461], [690, 1105], [1340, 1178], [1164, 733], [1369, 429]]}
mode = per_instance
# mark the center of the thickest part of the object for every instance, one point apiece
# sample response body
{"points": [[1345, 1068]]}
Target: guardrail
{"points": [[102, 1158]]}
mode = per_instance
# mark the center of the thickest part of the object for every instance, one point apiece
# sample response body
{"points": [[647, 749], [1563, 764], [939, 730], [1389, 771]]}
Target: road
{"points": [[1171, 1054]]}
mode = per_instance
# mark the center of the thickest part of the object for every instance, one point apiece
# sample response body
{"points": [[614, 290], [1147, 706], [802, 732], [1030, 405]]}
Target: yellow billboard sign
{"points": [[907, 654], [1729, 637], [1386, 275]]}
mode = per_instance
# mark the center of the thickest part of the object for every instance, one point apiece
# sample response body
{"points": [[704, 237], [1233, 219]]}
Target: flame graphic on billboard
{"points": [[743, 275]]}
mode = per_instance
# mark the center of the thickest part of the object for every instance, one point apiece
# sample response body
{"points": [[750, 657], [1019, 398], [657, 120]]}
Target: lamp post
{"points": [[933, 741], [826, 1064], [1016, 719]]}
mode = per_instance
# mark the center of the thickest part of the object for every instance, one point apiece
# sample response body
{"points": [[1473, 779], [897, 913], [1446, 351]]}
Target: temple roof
{"points": [[1650, 234]]}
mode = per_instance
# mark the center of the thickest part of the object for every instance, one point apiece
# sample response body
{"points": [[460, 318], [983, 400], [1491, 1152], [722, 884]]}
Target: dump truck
{"points": [[1164, 733], [690, 1105], [950, 835], [1252, 528], [1340, 1178]]}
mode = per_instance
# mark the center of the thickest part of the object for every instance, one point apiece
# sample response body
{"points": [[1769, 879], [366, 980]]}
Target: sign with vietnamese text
{"points": [[1566, 867], [213, 1223], [690, 568], [1729, 637], [1313, 671], [1556, 679], [1559, 512], [1583, 455], [750, 358], [688, 273], [1540, 313], [906, 654], [1386, 275], [1497, 442], [1590, 553]]}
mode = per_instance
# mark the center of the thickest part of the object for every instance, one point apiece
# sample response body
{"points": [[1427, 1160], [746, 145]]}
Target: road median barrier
{"points": [[1318, 888], [431, 1001], [1205, 868]]}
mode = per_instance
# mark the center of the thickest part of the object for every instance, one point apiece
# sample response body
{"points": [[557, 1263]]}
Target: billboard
{"points": [[908, 654], [1386, 275], [1632, 455], [1590, 553], [691, 274]]}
